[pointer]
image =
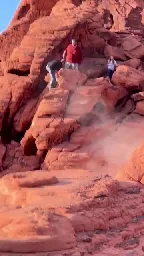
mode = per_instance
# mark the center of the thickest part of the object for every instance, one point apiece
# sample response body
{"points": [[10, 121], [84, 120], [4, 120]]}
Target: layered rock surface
{"points": [[70, 183]]}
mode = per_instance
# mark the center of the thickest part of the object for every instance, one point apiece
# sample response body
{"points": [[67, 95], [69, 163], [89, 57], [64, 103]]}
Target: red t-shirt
{"points": [[73, 54]]}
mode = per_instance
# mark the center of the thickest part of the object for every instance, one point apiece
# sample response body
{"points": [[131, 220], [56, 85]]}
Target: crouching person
{"points": [[53, 67]]}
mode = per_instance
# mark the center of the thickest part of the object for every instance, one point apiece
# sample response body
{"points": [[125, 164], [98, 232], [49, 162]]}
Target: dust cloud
{"points": [[112, 151]]}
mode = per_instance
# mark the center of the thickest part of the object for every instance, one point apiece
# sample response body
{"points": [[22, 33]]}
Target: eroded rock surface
{"points": [[67, 186]]}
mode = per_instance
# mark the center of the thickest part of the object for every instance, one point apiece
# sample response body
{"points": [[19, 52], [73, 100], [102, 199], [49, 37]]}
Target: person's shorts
{"points": [[71, 65]]}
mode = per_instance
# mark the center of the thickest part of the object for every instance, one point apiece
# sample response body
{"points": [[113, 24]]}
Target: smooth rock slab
{"points": [[34, 230], [30, 179]]}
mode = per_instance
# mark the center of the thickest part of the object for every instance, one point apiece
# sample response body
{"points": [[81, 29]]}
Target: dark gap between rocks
{"points": [[30, 147], [19, 72], [6, 129], [121, 102]]}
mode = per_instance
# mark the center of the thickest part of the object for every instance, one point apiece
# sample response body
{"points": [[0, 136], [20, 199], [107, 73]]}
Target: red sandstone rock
{"points": [[116, 52], [15, 91], [65, 158], [129, 107], [94, 67], [120, 19], [138, 96], [31, 179], [111, 95], [34, 230], [16, 161], [27, 12], [70, 80], [109, 37], [2, 154], [48, 126], [31, 55], [140, 108], [69, 128], [134, 168], [134, 63], [132, 47], [31, 10], [128, 77], [24, 116]]}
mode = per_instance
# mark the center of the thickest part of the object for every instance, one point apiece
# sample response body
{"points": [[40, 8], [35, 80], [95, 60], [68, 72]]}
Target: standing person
{"points": [[112, 65], [53, 67], [73, 55]]}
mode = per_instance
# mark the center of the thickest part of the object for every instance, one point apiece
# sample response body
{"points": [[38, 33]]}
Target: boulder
{"points": [[134, 63], [65, 156], [24, 116], [70, 80], [139, 107], [34, 230], [113, 95], [15, 160], [128, 78], [116, 52], [110, 38], [94, 67], [138, 96], [125, 108], [29, 179], [15, 92], [134, 169], [132, 47]]}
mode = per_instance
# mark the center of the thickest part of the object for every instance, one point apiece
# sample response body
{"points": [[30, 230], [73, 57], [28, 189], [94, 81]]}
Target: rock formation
{"points": [[71, 164]]}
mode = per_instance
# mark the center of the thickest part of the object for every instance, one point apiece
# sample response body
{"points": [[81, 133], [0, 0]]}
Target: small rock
{"points": [[76, 254], [128, 244], [133, 191], [85, 239], [133, 253]]}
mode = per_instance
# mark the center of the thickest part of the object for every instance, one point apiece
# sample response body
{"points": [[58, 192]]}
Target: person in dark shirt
{"points": [[73, 55], [53, 67]]}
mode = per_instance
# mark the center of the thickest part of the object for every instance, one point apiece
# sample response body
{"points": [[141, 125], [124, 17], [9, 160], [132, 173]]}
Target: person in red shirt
{"points": [[72, 55]]}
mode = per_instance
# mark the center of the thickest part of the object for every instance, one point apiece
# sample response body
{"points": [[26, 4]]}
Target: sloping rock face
{"points": [[64, 184]]}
